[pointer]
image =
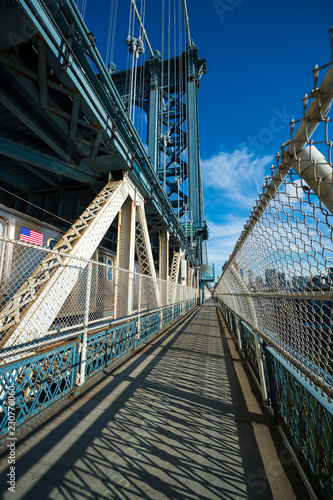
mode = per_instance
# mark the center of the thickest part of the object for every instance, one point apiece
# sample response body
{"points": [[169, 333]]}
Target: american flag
{"points": [[30, 236]]}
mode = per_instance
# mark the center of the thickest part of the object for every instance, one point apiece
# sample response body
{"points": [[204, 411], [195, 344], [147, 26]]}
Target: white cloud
{"points": [[222, 239], [237, 176], [232, 182]]}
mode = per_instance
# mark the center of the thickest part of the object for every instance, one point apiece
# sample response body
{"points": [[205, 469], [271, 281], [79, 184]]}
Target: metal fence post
{"points": [[240, 345], [260, 361], [161, 319], [85, 331], [139, 315]]}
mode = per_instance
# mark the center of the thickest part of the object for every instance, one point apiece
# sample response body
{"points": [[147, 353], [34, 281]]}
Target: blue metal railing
{"points": [[103, 348], [40, 381], [302, 411]]}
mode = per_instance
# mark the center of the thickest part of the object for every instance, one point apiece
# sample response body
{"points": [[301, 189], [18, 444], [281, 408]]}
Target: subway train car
{"points": [[18, 262]]}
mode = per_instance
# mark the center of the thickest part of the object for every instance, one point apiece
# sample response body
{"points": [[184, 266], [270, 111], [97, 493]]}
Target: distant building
{"points": [[282, 280], [300, 283], [271, 276]]}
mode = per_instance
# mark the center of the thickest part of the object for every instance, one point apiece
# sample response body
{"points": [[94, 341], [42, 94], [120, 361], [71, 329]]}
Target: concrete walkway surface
{"points": [[179, 420]]}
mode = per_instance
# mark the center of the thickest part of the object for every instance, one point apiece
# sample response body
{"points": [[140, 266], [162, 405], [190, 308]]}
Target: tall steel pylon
{"points": [[167, 90]]}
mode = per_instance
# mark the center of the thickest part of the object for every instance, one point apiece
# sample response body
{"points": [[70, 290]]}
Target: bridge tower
{"points": [[168, 94]]}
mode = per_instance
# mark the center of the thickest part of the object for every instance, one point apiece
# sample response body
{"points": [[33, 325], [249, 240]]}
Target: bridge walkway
{"points": [[179, 420]]}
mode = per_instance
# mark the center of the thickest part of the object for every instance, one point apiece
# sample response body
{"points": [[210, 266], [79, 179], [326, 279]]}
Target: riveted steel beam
{"points": [[35, 306], [42, 160]]}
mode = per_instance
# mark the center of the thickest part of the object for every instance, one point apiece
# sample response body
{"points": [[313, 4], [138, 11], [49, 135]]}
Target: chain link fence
{"points": [[89, 293], [279, 278]]}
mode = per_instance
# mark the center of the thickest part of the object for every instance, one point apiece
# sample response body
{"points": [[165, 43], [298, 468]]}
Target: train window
{"points": [[101, 269], [2, 234], [109, 263], [3, 227]]}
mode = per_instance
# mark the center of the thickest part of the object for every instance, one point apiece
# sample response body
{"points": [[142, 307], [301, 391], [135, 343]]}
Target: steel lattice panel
{"points": [[105, 347], [149, 325], [308, 422], [39, 382]]}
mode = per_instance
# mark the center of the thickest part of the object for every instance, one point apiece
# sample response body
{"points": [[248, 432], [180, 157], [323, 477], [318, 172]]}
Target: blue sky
{"points": [[260, 57]]}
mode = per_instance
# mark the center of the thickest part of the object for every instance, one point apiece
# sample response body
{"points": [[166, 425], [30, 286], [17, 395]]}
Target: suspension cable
{"points": [[113, 38], [187, 24], [142, 27]]}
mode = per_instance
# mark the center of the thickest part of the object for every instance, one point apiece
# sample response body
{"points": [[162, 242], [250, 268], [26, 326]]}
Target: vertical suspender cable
{"points": [[175, 98], [84, 9], [187, 24], [108, 43], [181, 83], [113, 39], [162, 81], [134, 87], [169, 55], [142, 27]]}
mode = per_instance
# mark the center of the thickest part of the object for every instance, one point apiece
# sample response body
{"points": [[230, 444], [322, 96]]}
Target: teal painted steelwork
{"points": [[41, 381], [176, 313], [167, 317], [105, 347], [249, 347], [38, 381], [306, 418], [149, 325], [77, 118], [305, 415]]}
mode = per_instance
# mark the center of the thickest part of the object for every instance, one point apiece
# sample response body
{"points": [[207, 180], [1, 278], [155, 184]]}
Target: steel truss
{"points": [[35, 306]]}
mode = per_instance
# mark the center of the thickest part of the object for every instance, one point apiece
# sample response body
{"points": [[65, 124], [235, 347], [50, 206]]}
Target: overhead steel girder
{"points": [[19, 106], [100, 106], [70, 72], [57, 119], [14, 181], [47, 162], [61, 136], [40, 175]]}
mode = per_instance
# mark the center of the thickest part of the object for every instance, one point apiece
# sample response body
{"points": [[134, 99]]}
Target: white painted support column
{"points": [[139, 309], [145, 256], [85, 331], [183, 272], [164, 255], [164, 263], [125, 260]]}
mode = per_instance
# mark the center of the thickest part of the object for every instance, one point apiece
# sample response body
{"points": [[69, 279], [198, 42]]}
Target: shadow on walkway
{"points": [[171, 423]]}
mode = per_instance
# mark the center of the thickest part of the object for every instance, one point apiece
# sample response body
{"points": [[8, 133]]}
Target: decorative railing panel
{"points": [[38, 382], [105, 347], [149, 325]]}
